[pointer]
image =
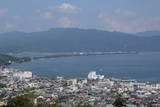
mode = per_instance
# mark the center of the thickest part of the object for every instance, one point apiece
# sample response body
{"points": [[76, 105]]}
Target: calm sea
{"points": [[144, 66]]}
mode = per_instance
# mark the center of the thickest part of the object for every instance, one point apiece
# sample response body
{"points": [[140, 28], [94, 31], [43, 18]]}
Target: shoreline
{"points": [[74, 89], [84, 54], [45, 55], [111, 77]]}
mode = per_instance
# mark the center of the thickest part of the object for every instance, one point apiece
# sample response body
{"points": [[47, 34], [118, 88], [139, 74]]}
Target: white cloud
{"points": [[125, 12], [123, 23], [156, 18], [65, 22], [17, 17], [66, 7], [3, 11], [9, 26], [6, 27], [46, 15]]}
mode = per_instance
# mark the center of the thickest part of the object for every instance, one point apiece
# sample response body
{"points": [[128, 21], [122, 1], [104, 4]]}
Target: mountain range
{"points": [[148, 33], [78, 40]]}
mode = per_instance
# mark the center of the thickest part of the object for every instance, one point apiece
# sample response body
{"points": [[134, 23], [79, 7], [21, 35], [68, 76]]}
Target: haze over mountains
{"points": [[73, 39], [149, 33]]}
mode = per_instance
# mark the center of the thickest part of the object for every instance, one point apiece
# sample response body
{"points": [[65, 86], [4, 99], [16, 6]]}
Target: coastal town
{"points": [[79, 53], [95, 89]]}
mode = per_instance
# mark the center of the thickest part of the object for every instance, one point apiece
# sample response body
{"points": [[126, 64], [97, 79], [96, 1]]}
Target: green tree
{"points": [[3, 106], [2, 85], [82, 104], [48, 105], [119, 101], [56, 103], [20, 101]]}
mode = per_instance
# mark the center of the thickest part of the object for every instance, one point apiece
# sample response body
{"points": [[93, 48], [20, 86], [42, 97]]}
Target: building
{"points": [[22, 75], [93, 76]]}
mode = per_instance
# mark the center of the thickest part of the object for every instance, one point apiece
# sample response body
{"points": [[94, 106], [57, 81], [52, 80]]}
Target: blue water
{"points": [[144, 66]]}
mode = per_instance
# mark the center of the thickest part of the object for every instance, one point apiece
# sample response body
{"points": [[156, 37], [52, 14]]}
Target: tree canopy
{"points": [[119, 101], [20, 101]]}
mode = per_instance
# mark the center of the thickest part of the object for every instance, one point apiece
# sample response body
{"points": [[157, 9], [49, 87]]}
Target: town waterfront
{"points": [[142, 66]]}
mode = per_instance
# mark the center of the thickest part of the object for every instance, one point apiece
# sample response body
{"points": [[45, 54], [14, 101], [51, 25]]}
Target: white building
{"points": [[72, 82], [92, 75], [22, 75]]}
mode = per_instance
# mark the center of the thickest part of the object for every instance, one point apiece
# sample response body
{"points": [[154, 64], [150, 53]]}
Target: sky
{"points": [[129, 16]]}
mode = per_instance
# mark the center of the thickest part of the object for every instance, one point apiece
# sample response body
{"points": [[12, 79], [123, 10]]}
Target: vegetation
{"points": [[82, 104], [7, 59], [20, 101], [48, 105], [2, 85], [77, 40], [119, 101], [55, 103], [25, 101]]}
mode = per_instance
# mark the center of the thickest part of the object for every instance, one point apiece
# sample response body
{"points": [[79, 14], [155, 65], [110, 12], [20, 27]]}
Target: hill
{"points": [[149, 33], [6, 59], [73, 39]]}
